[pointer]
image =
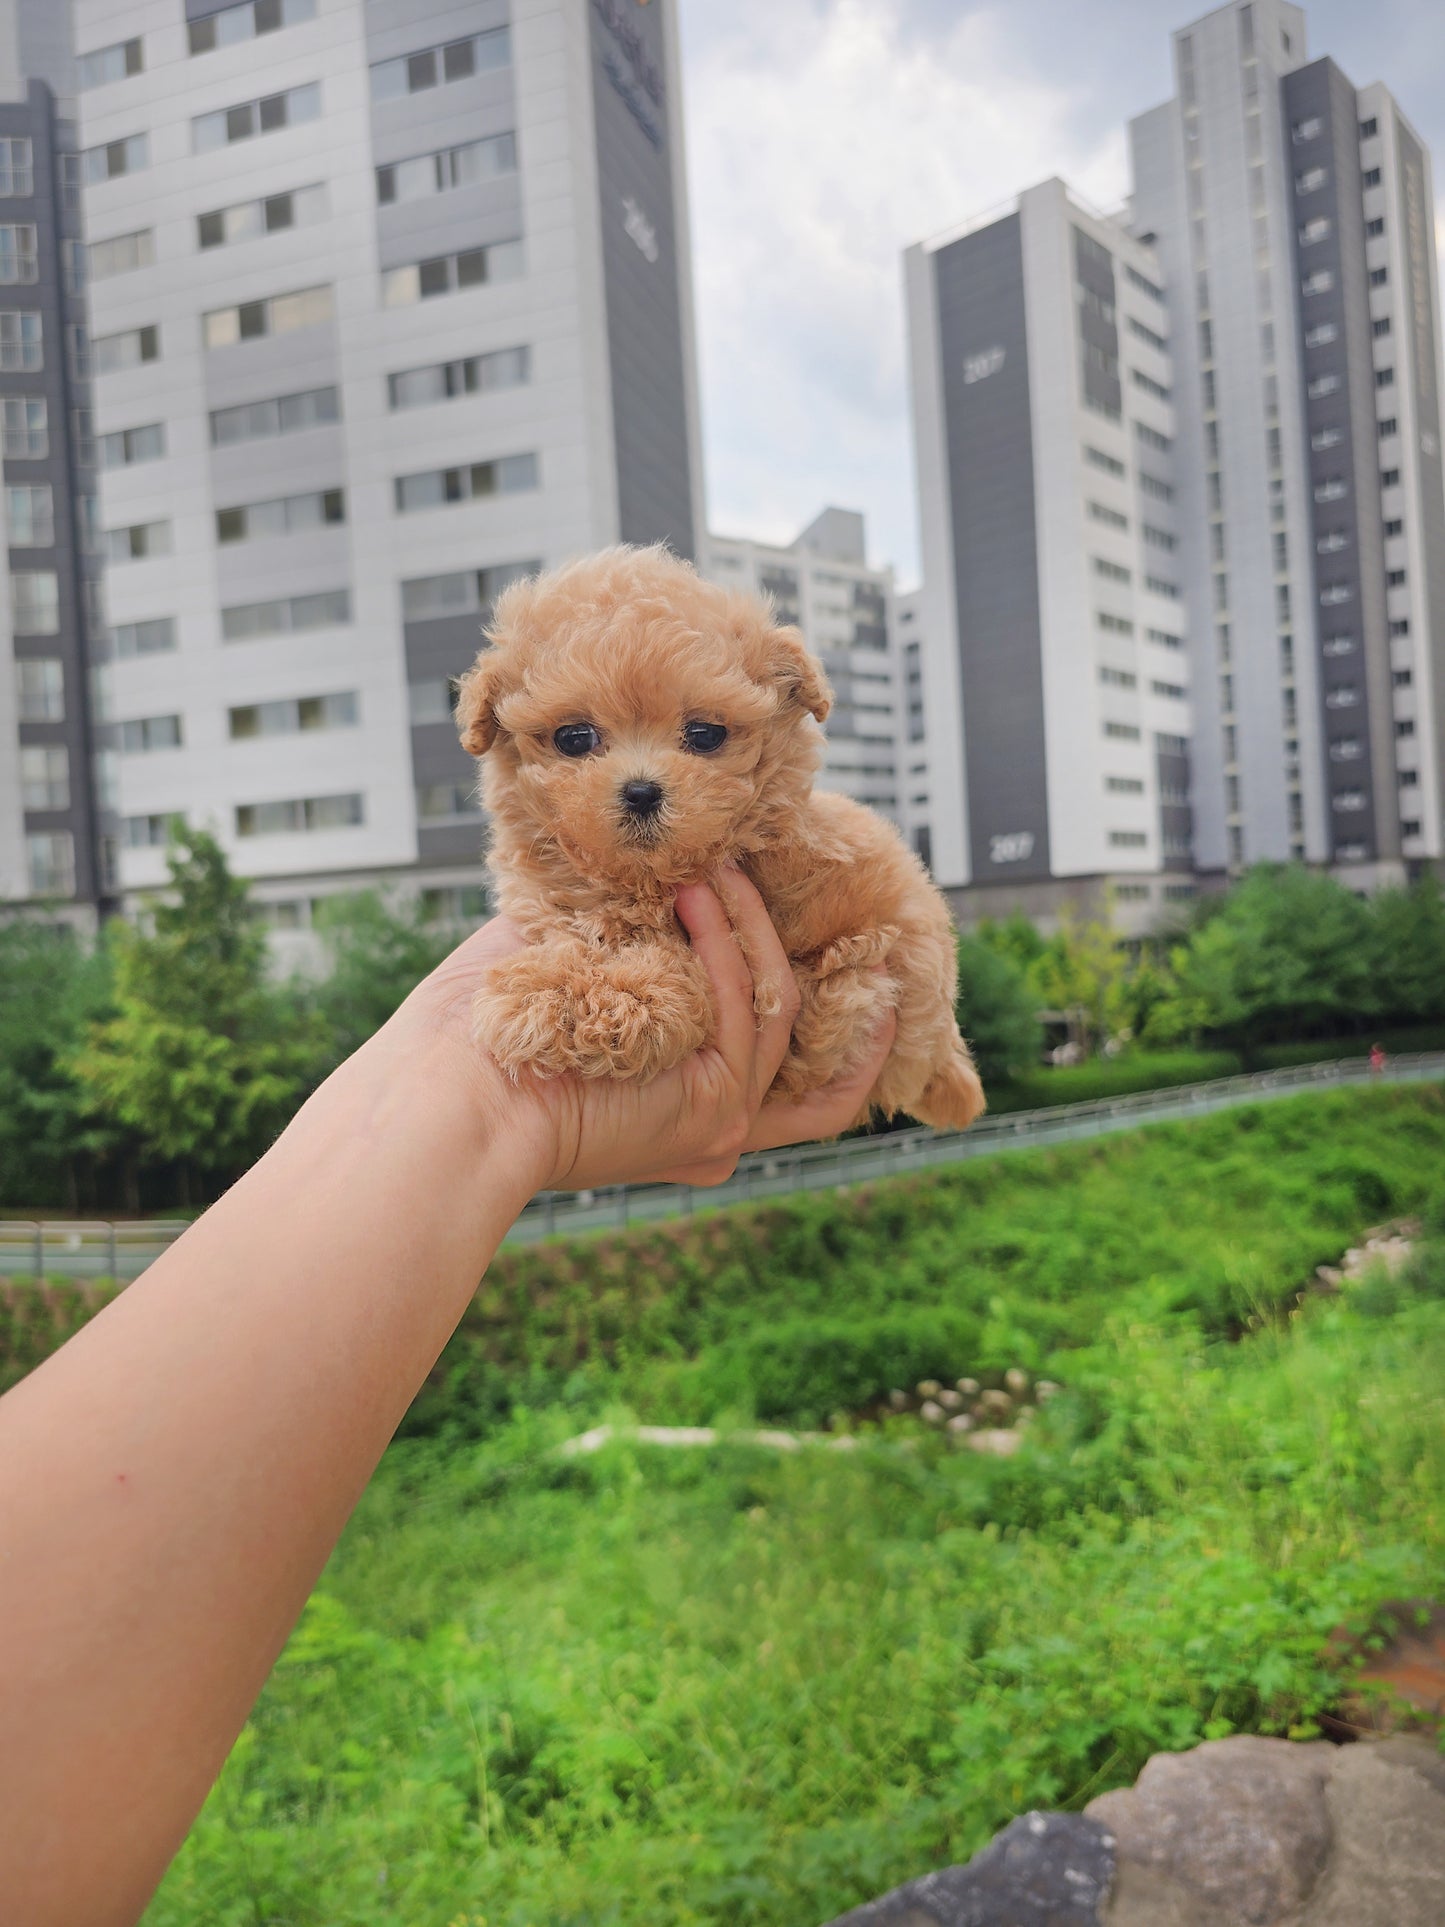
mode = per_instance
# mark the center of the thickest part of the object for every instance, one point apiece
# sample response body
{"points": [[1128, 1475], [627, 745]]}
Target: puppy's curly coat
{"points": [[640, 727]]}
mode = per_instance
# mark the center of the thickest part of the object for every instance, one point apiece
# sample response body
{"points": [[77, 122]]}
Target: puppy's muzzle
{"points": [[641, 800]]}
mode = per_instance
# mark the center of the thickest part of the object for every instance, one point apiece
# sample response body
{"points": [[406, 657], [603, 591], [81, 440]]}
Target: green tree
{"points": [[1288, 951], [997, 1011], [52, 988], [378, 953], [203, 1060], [1014, 937], [1082, 971], [1408, 945]]}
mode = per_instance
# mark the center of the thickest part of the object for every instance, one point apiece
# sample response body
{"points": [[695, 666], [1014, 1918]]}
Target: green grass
{"points": [[732, 1689]]}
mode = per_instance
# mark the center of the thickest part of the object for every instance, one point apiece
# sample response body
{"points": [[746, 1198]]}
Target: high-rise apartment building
{"points": [[54, 843], [391, 301], [1183, 517], [822, 583], [1294, 222], [1053, 643]]}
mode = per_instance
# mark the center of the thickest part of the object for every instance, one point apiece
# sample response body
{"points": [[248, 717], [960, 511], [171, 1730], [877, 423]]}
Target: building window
{"points": [[446, 802], [435, 66], [431, 702], [1346, 749], [1310, 180], [1118, 678], [1402, 678], [1151, 438], [1387, 427], [30, 517], [1395, 525], [1151, 485], [1370, 177], [1313, 231], [1122, 732], [1164, 639], [1330, 544], [146, 733], [281, 314], [128, 446], [1322, 333], [22, 349], [1348, 800], [1305, 130], [17, 169], [1171, 691], [1322, 385], [106, 64], [40, 689], [1115, 625], [465, 166], [50, 858], [1405, 727], [1389, 477], [508, 475], [112, 353], [1096, 458], [44, 777], [1333, 489], [19, 260], [299, 207], [248, 621], [1154, 340], [1384, 377], [1323, 438], [236, 23], [114, 158], [157, 637], [1143, 284], [448, 273], [296, 714], [1320, 282], [140, 540], [426, 597], [1379, 277], [252, 117], [1158, 586], [279, 415], [284, 515], [1395, 578], [1375, 228], [151, 832], [1127, 839], [1399, 629], [305, 813], [478, 374], [1159, 538], [122, 254], [35, 602], [1369, 128], [1124, 785], [1111, 571], [1344, 695], [1334, 594], [1381, 327], [1111, 518], [1148, 384]]}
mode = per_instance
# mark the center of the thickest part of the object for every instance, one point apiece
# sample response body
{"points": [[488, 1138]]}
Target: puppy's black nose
{"points": [[642, 799]]}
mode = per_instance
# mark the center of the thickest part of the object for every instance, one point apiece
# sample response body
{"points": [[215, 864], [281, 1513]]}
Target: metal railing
{"points": [[94, 1250]]}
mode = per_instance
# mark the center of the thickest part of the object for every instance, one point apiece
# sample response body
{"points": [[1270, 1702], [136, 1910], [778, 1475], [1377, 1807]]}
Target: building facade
{"points": [[391, 302], [1293, 217], [1053, 640], [57, 845], [823, 585]]}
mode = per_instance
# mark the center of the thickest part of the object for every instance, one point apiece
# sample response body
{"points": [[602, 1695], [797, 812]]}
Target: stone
{"points": [[1046, 1389], [969, 1387], [928, 1388], [1388, 1864], [960, 1422], [1414, 1751], [1043, 1870], [1241, 1822], [1145, 1897], [898, 1399], [949, 1399], [994, 1405], [1001, 1443], [1016, 1381], [930, 1412]]}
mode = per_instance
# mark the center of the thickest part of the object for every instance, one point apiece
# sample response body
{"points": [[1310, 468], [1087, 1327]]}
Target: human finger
{"points": [[702, 915], [775, 989], [827, 1112]]}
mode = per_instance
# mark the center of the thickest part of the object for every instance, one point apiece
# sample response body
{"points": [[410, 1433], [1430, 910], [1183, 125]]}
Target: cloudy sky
{"points": [[825, 135]]}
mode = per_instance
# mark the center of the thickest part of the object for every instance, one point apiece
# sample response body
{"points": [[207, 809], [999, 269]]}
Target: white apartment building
{"points": [[822, 584], [1294, 223], [1053, 646], [390, 301]]}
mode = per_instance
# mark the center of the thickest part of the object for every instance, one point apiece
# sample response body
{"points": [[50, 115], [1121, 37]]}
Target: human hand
{"points": [[689, 1125]]}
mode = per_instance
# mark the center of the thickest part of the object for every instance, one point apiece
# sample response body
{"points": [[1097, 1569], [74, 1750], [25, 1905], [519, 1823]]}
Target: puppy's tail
{"points": [[953, 1097]]}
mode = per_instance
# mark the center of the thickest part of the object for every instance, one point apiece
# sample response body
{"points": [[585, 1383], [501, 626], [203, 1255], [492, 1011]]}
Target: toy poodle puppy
{"points": [[640, 727]]}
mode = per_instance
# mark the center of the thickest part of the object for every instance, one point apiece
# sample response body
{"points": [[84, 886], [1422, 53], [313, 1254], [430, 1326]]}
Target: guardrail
{"points": [[104, 1250]]}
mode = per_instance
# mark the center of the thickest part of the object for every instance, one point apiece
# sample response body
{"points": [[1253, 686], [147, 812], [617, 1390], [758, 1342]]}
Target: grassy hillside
{"points": [[748, 1691]]}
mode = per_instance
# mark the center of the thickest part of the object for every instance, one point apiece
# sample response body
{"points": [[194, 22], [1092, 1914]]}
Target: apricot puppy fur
{"points": [[640, 727]]}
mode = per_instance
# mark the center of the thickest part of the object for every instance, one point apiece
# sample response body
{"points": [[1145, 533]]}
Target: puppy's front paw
{"points": [[623, 1017]]}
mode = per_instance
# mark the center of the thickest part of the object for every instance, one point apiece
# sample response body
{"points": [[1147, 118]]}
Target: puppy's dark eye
{"points": [[701, 739], [577, 739]]}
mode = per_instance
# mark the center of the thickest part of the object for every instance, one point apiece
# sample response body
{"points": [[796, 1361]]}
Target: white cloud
{"points": [[821, 143]]}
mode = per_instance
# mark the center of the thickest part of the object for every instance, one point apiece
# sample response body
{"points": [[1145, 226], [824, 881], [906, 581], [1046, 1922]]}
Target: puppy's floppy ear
{"points": [[477, 695], [798, 673]]}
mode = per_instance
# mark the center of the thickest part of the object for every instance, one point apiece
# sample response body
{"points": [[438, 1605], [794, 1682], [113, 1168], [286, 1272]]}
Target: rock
{"points": [[1388, 1864], [1002, 1444], [1046, 1389], [949, 1399], [994, 1405], [1043, 1870], [1145, 1897], [960, 1422], [969, 1387], [930, 1412], [898, 1400], [1016, 1381], [928, 1388], [1241, 1822], [1328, 1277]]}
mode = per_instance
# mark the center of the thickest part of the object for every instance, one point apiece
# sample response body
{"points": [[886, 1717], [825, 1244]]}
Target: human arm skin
{"points": [[173, 1480]]}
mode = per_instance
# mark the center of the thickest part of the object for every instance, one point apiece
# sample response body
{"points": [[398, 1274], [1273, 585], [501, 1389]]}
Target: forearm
{"points": [[173, 1480]]}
